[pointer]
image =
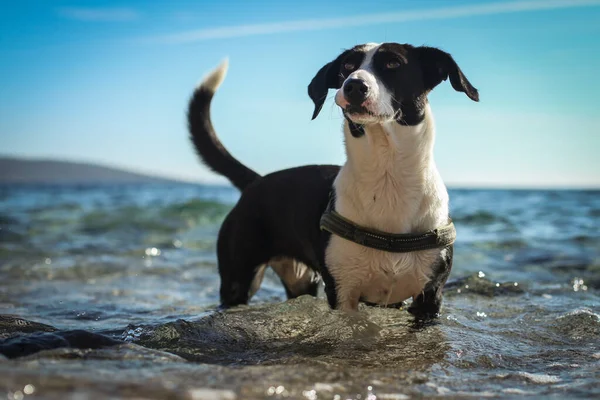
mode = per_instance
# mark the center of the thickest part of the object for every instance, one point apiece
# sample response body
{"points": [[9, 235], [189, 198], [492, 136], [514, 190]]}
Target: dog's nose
{"points": [[356, 91]]}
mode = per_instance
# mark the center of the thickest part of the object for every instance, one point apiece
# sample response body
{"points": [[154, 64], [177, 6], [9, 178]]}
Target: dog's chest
{"points": [[381, 277], [391, 192]]}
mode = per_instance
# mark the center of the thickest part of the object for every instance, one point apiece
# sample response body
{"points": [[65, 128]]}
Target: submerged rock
{"points": [[296, 331], [12, 325], [579, 324], [25, 345], [121, 352], [478, 284], [20, 337]]}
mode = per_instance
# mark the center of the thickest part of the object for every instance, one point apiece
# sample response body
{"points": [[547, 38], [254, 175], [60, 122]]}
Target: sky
{"points": [[109, 81]]}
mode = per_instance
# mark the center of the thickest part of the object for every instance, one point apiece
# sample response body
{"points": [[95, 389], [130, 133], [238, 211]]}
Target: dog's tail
{"points": [[207, 144]]}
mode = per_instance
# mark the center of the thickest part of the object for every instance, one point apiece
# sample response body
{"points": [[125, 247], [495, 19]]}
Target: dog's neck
{"points": [[389, 181]]}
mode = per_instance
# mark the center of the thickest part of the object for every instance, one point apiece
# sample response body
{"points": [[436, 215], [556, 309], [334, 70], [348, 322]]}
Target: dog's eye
{"points": [[392, 64], [348, 66]]}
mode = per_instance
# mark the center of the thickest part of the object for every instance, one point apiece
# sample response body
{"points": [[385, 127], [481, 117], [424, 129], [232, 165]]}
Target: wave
{"points": [[168, 219], [480, 218]]}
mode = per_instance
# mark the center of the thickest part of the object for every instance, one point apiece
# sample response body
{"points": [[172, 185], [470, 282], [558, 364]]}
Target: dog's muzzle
{"points": [[356, 91]]}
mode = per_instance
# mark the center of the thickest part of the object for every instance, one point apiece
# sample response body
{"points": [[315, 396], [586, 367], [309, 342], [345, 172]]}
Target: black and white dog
{"points": [[389, 183]]}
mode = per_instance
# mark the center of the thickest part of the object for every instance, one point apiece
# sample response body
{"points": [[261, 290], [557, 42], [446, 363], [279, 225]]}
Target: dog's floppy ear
{"points": [[327, 78], [437, 66]]}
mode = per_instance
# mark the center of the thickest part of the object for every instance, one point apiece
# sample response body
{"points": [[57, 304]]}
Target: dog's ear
{"points": [[327, 78], [437, 66]]}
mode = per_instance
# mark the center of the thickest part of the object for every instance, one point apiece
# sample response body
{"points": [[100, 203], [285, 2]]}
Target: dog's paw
{"points": [[425, 312]]}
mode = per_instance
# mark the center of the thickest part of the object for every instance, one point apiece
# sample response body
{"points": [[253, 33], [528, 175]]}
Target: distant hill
{"points": [[21, 170]]}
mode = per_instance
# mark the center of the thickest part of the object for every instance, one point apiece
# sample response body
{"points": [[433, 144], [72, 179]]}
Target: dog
{"points": [[389, 183]]}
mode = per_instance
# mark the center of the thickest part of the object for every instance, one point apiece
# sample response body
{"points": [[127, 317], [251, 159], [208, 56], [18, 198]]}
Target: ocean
{"points": [[136, 264]]}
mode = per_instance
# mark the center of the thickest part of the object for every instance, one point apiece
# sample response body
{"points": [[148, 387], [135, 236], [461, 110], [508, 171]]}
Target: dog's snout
{"points": [[356, 91]]}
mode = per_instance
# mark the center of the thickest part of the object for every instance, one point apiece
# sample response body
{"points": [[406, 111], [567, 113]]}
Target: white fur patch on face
{"points": [[379, 102]]}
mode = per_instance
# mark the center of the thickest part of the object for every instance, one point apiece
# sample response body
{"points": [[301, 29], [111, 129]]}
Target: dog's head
{"points": [[386, 82]]}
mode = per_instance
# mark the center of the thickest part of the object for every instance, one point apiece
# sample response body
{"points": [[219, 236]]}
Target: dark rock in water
{"points": [[49, 338], [11, 326], [476, 284], [580, 324], [123, 351]]}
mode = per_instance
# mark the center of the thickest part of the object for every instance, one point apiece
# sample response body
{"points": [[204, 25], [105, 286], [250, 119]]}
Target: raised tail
{"points": [[207, 144]]}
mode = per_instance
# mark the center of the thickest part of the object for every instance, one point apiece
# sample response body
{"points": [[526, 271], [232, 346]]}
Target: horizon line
{"points": [[222, 181]]}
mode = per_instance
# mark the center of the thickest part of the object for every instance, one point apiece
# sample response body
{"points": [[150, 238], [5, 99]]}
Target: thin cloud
{"points": [[370, 19], [98, 14]]}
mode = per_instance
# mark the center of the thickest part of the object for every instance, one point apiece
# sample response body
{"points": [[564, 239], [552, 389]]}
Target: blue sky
{"points": [[109, 81]]}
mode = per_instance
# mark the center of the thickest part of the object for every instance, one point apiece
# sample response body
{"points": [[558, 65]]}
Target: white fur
{"points": [[379, 101], [390, 183], [214, 78]]}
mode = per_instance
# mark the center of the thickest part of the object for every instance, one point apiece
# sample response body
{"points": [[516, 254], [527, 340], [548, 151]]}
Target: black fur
{"points": [[277, 215], [356, 130], [420, 70], [209, 147], [427, 305], [331, 76]]}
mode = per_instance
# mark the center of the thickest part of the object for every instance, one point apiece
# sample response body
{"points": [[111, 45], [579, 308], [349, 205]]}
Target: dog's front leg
{"points": [[427, 305], [343, 277], [348, 295]]}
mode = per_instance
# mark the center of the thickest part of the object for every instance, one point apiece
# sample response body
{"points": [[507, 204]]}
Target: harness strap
{"points": [[334, 223]]}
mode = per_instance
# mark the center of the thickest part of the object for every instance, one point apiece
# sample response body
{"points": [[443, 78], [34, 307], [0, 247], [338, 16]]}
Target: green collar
{"points": [[334, 223]]}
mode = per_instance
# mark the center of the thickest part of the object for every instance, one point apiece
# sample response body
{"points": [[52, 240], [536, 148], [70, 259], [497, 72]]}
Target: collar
{"points": [[334, 223]]}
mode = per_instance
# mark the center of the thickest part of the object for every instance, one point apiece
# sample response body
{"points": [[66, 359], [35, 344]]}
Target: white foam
{"points": [[539, 378], [393, 396], [212, 394]]}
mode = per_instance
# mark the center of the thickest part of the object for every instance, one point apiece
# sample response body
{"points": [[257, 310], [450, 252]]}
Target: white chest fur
{"points": [[389, 183], [377, 276]]}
